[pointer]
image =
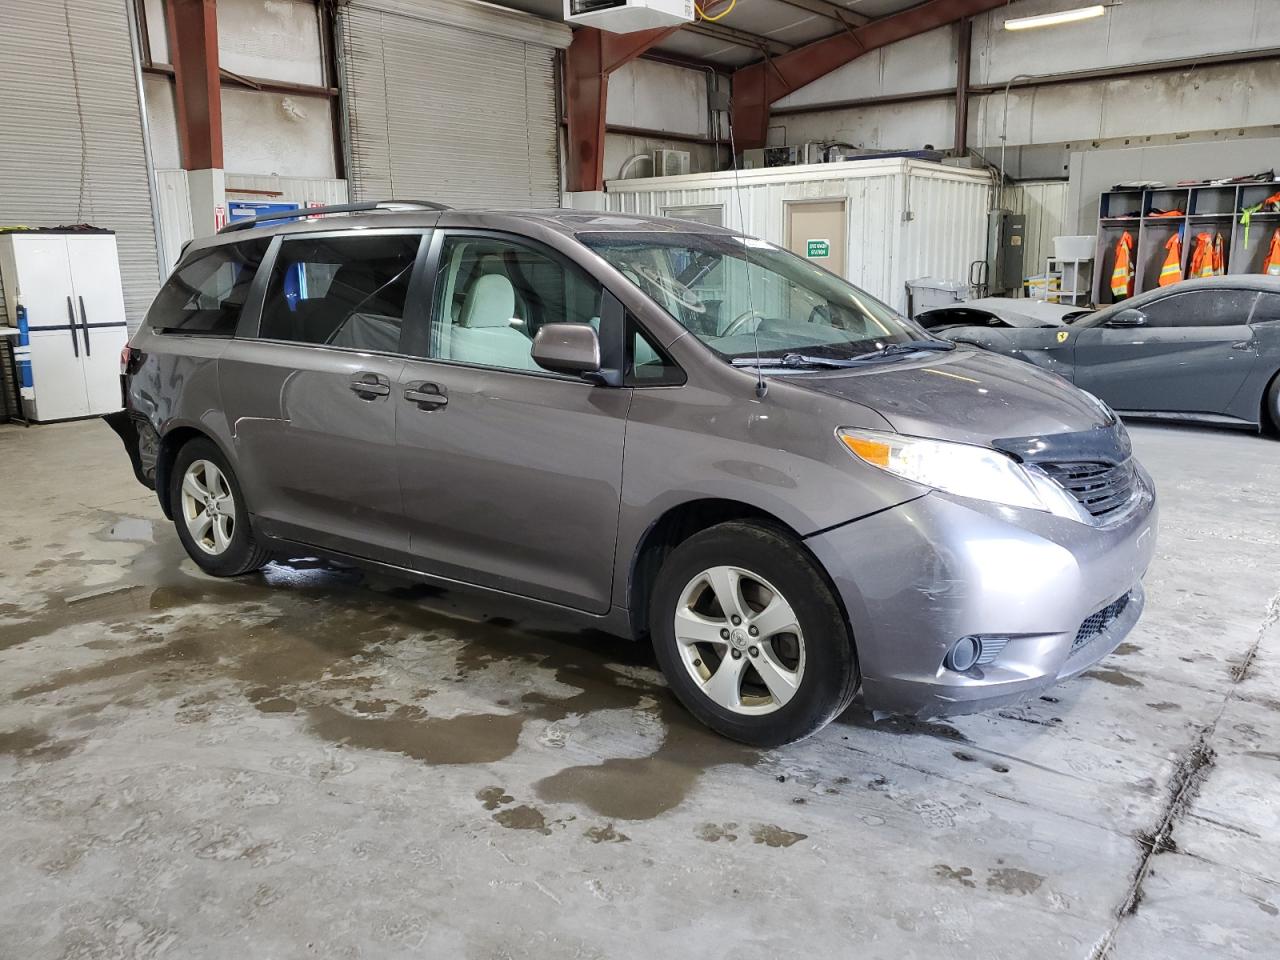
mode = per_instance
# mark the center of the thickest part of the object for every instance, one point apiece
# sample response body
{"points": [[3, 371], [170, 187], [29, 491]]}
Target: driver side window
{"points": [[1201, 308], [493, 295]]}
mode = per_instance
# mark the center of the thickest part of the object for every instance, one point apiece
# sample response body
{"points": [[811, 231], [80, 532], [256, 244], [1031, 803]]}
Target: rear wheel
{"points": [[750, 635], [1271, 407], [210, 513]]}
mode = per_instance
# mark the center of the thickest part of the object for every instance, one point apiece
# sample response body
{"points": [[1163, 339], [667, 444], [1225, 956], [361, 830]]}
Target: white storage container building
{"points": [[901, 218]]}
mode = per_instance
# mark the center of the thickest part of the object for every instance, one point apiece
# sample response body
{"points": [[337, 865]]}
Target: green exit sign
{"points": [[818, 248]]}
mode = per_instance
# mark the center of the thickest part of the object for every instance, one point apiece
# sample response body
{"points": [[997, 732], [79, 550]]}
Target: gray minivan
{"points": [[667, 429]]}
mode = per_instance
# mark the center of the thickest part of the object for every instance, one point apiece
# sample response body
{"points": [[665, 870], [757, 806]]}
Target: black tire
{"points": [[1271, 408], [243, 553], [830, 676]]}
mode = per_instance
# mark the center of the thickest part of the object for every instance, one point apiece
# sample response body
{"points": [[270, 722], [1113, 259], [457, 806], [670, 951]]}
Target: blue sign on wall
{"points": [[248, 209]]}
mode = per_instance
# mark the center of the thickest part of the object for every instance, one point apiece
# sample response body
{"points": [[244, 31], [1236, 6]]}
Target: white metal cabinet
{"points": [[69, 287]]}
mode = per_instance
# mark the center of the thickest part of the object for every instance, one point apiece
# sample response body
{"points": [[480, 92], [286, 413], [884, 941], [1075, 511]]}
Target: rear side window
{"points": [[206, 293], [347, 291]]}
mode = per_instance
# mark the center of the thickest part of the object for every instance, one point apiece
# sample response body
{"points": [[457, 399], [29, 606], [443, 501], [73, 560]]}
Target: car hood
{"points": [[971, 396]]}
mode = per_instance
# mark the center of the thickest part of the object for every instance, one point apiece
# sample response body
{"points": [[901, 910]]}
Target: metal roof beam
{"points": [[757, 86]]}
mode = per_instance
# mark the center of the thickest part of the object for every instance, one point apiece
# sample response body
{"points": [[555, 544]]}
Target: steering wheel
{"points": [[740, 321]]}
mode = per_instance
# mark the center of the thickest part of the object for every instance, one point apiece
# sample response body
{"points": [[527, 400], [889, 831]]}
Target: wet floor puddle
{"points": [[306, 638]]}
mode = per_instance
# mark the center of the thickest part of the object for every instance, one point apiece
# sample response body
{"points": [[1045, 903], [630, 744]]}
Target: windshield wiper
{"points": [[796, 360]]}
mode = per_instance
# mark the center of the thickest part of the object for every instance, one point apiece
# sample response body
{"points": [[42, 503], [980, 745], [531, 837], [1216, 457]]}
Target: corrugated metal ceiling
{"points": [[785, 24]]}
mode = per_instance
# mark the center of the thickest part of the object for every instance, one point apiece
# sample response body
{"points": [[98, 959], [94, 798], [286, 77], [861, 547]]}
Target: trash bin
{"points": [[929, 292]]}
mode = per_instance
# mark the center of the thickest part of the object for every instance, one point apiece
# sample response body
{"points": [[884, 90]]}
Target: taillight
{"points": [[124, 360]]}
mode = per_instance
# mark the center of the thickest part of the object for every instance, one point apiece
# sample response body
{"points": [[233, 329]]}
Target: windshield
{"points": [[731, 292]]}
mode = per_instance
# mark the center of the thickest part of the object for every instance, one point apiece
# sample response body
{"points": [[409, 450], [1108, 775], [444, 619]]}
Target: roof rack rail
{"points": [[364, 206]]}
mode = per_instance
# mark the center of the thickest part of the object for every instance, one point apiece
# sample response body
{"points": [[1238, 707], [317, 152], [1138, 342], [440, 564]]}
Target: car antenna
{"points": [[762, 388]]}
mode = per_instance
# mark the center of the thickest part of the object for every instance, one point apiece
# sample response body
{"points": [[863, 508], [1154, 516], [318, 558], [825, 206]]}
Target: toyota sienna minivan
{"points": [[667, 429]]}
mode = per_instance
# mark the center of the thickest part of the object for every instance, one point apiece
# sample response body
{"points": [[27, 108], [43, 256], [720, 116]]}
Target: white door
{"points": [[45, 288], [57, 375], [99, 304]]}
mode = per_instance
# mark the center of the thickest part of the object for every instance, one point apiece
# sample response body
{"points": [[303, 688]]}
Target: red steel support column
{"points": [[591, 57], [193, 48]]}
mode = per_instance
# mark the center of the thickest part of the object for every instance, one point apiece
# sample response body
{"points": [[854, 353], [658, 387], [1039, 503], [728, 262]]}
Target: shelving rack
{"points": [[1205, 209], [1073, 279]]}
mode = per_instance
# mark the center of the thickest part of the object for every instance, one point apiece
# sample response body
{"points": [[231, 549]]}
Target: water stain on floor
{"points": [[30, 743], [606, 834], [1114, 677], [468, 738], [772, 835], [494, 797], [1012, 880], [641, 788], [523, 817]]}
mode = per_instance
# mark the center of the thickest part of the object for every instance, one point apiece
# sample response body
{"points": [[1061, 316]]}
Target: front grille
{"points": [[1101, 488], [1097, 623]]}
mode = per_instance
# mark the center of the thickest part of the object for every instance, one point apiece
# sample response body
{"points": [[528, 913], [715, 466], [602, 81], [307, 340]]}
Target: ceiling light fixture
{"points": [[1054, 19]]}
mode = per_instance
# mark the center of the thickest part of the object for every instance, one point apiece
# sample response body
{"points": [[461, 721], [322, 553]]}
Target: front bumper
{"points": [[918, 577]]}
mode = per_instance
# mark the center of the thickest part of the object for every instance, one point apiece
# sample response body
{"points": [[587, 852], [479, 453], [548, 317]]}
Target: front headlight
{"points": [[962, 469]]}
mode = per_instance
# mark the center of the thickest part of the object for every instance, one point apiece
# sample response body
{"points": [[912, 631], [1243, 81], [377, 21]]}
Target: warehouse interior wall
{"points": [[662, 106], [1181, 83], [73, 145], [264, 131]]}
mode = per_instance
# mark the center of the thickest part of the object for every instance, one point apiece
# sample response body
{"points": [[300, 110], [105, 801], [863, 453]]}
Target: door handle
{"points": [[369, 387], [84, 319], [71, 315], [428, 396]]}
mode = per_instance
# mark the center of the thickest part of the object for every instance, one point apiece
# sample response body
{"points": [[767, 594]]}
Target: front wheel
{"points": [[210, 513], [750, 635]]}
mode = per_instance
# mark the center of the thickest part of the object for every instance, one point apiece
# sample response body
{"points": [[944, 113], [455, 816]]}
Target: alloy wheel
{"points": [[740, 641], [208, 507]]}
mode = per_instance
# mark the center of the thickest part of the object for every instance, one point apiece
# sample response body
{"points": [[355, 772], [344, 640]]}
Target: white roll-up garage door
{"points": [[450, 100], [71, 147]]}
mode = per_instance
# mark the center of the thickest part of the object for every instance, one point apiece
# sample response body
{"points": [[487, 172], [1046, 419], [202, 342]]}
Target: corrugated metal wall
{"points": [[944, 232], [445, 102], [1045, 204], [71, 132]]}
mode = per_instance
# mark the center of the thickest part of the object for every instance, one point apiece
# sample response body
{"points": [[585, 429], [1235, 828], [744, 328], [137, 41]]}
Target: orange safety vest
{"points": [[1206, 259], [1271, 265], [1171, 272], [1122, 275]]}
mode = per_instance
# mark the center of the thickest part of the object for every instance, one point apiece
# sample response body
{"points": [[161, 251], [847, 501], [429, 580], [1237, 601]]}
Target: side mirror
{"points": [[1128, 318], [567, 348]]}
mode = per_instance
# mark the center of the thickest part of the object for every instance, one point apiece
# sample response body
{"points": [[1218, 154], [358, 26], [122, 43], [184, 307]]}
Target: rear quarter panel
{"points": [[177, 385]]}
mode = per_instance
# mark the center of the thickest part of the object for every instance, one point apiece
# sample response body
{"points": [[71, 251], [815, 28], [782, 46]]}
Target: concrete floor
{"points": [[314, 762]]}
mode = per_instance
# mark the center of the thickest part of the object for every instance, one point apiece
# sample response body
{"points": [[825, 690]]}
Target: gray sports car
{"points": [[1205, 350]]}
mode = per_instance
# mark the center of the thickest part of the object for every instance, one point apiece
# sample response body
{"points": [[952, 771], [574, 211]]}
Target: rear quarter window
{"points": [[206, 293]]}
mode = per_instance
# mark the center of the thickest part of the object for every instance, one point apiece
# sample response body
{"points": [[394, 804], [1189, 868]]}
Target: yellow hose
{"points": [[719, 16]]}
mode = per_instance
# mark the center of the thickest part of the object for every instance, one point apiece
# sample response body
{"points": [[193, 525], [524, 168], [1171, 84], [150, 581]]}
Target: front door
{"points": [[311, 397], [511, 475], [816, 231], [1192, 354]]}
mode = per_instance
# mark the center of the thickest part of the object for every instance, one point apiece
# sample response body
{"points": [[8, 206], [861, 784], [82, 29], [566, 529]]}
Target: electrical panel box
{"points": [[670, 163], [1005, 233], [628, 16]]}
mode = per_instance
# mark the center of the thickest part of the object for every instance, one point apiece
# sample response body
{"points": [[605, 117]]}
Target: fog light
{"points": [[964, 654]]}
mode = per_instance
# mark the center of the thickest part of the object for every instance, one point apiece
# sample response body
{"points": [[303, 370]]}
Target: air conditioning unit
{"points": [[670, 163], [628, 16], [782, 156]]}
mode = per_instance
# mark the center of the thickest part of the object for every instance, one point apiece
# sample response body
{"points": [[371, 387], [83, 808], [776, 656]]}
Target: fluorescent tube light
{"points": [[1053, 19]]}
